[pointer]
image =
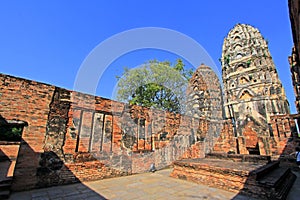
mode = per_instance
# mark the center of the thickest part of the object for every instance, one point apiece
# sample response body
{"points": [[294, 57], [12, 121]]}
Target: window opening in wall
{"points": [[270, 130], [283, 128], [141, 128], [140, 139], [278, 134], [278, 90], [238, 56], [79, 130], [272, 90], [92, 132], [102, 132], [98, 131], [10, 133], [108, 129], [11, 130], [163, 136], [253, 150], [237, 38]]}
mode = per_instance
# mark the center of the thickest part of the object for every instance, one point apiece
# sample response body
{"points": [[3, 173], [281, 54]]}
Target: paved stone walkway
{"points": [[294, 193], [156, 185]]}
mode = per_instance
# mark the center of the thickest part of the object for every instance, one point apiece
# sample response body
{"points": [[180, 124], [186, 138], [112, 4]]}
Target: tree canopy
{"points": [[155, 85]]}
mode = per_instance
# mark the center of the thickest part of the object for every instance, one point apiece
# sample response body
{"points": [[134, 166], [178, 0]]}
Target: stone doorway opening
{"points": [[10, 140], [253, 150]]}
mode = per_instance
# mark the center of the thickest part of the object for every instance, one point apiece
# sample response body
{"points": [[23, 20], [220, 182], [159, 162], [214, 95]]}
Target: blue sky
{"points": [[48, 41]]}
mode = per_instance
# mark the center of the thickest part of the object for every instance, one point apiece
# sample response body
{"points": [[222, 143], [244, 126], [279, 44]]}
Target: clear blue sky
{"points": [[47, 41]]}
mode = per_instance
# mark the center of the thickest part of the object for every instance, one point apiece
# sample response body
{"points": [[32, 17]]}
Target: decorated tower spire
{"points": [[252, 87]]}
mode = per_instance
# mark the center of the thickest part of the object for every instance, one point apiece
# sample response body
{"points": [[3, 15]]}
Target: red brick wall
{"points": [[28, 101], [226, 141], [281, 140], [9, 149], [73, 136]]}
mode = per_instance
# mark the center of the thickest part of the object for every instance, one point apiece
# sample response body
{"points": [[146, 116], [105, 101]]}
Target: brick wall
{"points": [[28, 101], [280, 139], [9, 150], [72, 136]]}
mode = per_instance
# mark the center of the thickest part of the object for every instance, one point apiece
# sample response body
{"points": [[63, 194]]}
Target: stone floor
{"points": [[295, 190], [156, 185]]}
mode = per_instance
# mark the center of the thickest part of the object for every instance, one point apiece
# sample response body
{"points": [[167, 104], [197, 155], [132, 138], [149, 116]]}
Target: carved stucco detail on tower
{"points": [[204, 101], [204, 94], [252, 87]]}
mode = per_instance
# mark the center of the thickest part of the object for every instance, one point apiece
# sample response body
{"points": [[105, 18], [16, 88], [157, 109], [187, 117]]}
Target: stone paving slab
{"points": [[156, 185], [294, 193]]}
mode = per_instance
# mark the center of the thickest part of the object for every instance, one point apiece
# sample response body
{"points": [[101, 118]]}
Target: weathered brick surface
{"points": [[9, 150], [73, 136], [28, 101], [281, 140], [252, 175], [227, 140], [225, 174]]}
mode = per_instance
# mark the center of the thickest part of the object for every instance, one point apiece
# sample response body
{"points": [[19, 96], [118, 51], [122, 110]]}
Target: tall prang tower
{"points": [[252, 89]]}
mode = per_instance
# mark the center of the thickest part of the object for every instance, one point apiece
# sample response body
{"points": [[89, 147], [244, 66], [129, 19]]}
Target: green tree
{"points": [[8, 133], [155, 85]]}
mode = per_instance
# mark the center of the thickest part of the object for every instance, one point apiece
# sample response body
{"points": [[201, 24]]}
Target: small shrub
{"points": [[8, 133]]}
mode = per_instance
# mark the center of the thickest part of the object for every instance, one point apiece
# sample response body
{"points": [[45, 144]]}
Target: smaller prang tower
{"points": [[204, 101], [252, 89], [204, 94]]}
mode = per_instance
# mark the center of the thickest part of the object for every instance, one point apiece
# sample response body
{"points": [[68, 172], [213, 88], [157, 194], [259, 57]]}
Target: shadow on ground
{"points": [[279, 179], [51, 171]]}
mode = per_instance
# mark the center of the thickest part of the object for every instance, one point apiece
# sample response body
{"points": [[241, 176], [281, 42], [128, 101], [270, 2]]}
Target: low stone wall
{"points": [[224, 174], [262, 179], [240, 157]]}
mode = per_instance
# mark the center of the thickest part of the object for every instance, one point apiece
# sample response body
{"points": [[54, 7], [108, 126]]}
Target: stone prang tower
{"points": [[252, 89], [204, 101], [204, 94]]}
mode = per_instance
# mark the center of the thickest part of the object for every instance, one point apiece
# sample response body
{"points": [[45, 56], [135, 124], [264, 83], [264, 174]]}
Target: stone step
{"points": [[274, 178], [263, 171], [5, 186], [4, 194], [7, 180], [239, 157], [285, 186]]}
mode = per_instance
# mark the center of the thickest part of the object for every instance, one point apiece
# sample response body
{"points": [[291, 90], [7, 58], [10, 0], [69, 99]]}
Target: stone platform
{"points": [[254, 176]]}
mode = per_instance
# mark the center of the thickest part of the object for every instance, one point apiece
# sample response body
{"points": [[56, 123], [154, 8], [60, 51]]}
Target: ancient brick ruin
{"points": [[204, 95], [295, 70], [294, 9], [71, 136], [204, 100], [251, 85], [257, 124], [253, 93], [252, 175]]}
